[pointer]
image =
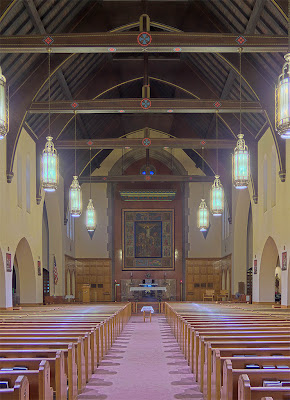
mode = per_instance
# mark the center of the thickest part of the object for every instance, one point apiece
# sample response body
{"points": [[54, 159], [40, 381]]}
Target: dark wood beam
{"points": [[250, 29], [123, 105], [162, 42], [146, 178], [120, 143], [36, 20]]}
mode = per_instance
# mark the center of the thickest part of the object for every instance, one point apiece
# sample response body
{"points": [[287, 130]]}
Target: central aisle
{"points": [[144, 363]]}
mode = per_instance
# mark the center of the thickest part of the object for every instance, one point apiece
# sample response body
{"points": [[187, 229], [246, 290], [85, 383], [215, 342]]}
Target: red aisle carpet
{"points": [[145, 363]]}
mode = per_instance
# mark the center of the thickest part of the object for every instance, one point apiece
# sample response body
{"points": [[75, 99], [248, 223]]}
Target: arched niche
{"points": [[27, 278], [267, 271]]}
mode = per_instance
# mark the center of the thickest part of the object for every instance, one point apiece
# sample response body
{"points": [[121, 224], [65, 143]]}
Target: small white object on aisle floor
{"points": [[147, 309]]}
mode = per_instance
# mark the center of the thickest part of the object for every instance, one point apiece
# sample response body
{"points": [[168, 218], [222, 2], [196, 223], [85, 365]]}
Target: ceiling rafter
{"points": [[250, 29], [33, 13]]}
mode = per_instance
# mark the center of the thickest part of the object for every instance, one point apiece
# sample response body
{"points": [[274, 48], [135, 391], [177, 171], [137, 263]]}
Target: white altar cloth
{"points": [[148, 309], [142, 289]]}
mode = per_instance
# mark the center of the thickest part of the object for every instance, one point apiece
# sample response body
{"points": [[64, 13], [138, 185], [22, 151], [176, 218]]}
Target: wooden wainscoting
{"points": [[206, 273], [97, 272]]}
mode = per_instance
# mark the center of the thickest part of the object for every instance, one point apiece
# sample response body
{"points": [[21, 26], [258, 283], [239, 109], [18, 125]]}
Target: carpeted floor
{"points": [[145, 363]]}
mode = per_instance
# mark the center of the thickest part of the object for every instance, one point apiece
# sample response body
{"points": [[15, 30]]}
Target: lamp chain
{"points": [[217, 150], [75, 143], [90, 172], [202, 166], [240, 50], [49, 51]]}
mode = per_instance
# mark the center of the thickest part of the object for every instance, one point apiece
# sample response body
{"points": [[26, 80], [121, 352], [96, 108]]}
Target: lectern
{"points": [[86, 293]]}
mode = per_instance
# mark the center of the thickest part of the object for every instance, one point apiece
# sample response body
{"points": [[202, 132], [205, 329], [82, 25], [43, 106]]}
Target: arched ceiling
{"points": [[171, 75]]}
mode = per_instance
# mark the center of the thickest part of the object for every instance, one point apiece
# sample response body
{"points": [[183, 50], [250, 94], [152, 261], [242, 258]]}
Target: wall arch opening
{"points": [[27, 279], [267, 271]]}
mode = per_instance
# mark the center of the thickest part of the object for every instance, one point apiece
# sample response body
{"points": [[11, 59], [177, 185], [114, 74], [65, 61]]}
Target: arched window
{"points": [[148, 170], [28, 183], [19, 181], [273, 177], [265, 183]]}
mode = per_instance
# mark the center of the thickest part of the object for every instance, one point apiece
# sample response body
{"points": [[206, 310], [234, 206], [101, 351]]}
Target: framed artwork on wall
{"points": [[148, 239], [39, 268], [8, 262], [284, 261], [255, 267]]}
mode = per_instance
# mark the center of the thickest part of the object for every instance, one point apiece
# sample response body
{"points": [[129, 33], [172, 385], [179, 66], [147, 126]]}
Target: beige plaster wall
{"points": [[273, 223], [21, 231], [17, 223]]}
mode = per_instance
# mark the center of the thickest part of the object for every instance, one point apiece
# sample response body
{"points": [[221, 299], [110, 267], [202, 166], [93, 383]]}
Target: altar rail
{"points": [[158, 307]]}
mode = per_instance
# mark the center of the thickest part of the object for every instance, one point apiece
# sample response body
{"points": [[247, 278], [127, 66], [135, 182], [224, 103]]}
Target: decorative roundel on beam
{"points": [[217, 104], [147, 178], [241, 40], [203, 142], [177, 49], [48, 40], [145, 104], [112, 49], [144, 39], [90, 143], [146, 142], [74, 104]]}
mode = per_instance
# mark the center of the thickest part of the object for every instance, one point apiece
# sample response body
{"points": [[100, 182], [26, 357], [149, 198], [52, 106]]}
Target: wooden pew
{"points": [[229, 390], [88, 336], [50, 342], [58, 378], [39, 381], [40, 350], [48, 328], [246, 342], [20, 391], [186, 326], [93, 328], [203, 358], [220, 355], [247, 392]]}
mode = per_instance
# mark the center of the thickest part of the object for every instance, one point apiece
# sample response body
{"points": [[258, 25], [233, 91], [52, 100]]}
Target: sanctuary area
{"points": [[144, 199]]}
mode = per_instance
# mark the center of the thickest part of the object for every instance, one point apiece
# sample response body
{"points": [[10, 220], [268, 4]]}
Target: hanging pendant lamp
{"points": [[282, 101], [203, 216], [217, 197], [203, 212], [75, 198], [282, 94], [91, 218], [49, 160], [75, 192], [49, 167], [4, 107], [241, 157]]}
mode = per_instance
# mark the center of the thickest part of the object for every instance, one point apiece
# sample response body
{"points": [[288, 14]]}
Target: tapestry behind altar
{"points": [[148, 239]]}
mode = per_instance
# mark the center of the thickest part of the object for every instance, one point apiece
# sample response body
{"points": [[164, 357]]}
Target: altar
{"points": [[160, 290], [147, 288]]}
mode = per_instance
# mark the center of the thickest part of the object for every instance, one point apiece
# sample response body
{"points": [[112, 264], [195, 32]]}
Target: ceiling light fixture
{"points": [[241, 157], [282, 94], [49, 160]]}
